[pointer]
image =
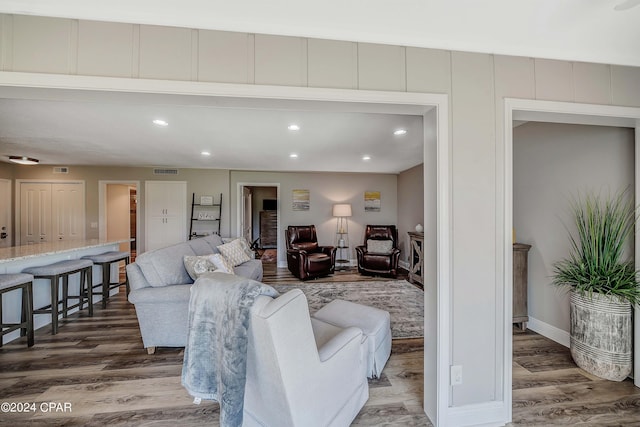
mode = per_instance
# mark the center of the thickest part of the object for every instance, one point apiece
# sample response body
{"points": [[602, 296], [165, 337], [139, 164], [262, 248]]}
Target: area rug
{"points": [[403, 301]]}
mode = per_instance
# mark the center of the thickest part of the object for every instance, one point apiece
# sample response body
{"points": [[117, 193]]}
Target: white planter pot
{"points": [[601, 336]]}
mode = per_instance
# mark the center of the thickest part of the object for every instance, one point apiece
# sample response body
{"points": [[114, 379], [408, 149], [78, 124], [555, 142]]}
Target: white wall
{"points": [[552, 163]]}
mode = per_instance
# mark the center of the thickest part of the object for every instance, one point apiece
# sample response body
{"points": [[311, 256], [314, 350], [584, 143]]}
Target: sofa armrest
{"points": [[136, 277], [338, 342]]}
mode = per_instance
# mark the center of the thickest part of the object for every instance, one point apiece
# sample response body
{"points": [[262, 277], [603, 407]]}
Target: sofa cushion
{"points": [[251, 269], [165, 266], [221, 263], [196, 265], [200, 246], [214, 241], [234, 252]]}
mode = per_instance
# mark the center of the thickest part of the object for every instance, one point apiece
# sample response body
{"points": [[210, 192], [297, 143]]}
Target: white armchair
{"points": [[301, 371]]}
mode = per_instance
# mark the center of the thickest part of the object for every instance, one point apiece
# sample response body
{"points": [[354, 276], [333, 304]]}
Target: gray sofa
{"points": [[160, 288]]}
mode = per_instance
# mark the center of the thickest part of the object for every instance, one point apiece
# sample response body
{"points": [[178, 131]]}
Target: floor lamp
{"points": [[342, 212]]}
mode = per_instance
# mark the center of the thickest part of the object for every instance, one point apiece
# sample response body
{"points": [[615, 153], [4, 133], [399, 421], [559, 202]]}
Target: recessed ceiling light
{"points": [[293, 127], [293, 155], [366, 157], [23, 160], [398, 132], [160, 122], [205, 153]]}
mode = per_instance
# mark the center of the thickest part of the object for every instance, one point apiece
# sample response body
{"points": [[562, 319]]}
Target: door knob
{"points": [[3, 235]]}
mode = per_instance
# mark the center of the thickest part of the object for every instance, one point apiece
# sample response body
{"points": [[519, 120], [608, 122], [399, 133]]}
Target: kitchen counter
{"points": [[16, 258], [57, 247]]}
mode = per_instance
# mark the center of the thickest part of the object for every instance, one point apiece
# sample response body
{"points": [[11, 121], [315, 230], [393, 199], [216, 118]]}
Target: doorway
{"points": [[565, 113], [118, 213], [260, 218]]}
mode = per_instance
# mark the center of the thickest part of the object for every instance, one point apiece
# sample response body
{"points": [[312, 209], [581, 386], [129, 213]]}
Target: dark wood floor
{"points": [[97, 366]]}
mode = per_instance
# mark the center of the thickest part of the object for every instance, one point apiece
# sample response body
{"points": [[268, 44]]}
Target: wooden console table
{"points": [[520, 273], [416, 257]]}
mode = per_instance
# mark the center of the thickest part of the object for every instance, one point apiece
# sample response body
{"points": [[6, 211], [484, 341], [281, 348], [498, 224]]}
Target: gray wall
{"points": [[551, 164], [475, 83]]}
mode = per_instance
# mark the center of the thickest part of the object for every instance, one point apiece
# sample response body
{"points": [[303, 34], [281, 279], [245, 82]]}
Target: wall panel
{"points": [[281, 60], [333, 64], [475, 281], [41, 44], [165, 53], [428, 70], [625, 86], [592, 83], [105, 49], [381, 67], [235, 48], [554, 80]]}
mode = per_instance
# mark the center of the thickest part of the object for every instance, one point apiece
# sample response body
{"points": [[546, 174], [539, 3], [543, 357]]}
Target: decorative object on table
{"points": [[342, 212], [379, 254], [206, 200], [372, 201], [305, 258], [603, 285], [419, 228], [301, 200]]}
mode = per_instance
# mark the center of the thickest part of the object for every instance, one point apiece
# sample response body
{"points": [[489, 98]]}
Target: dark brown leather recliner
{"points": [[305, 258], [379, 255]]}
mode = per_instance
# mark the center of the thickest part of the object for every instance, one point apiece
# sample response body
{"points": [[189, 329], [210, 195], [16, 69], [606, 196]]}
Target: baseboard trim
{"points": [[549, 331], [404, 264], [480, 414]]}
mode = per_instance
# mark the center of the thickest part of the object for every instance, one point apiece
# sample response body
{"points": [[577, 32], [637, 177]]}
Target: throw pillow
{"points": [[246, 248], [379, 246], [234, 252], [197, 265], [221, 263]]}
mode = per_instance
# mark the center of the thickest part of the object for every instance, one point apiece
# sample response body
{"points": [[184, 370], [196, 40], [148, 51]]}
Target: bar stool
{"points": [[64, 269], [105, 260], [13, 282]]}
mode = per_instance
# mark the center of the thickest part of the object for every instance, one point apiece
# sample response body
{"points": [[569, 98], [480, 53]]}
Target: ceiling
{"points": [[116, 129], [92, 128]]}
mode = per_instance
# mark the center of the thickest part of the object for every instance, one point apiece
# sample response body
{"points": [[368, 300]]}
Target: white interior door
{"points": [[5, 213], [67, 211], [35, 212]]}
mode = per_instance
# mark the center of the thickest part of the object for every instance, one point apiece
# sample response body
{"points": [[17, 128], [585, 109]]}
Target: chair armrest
{"points": [[362, 249], [296, 251], [328, 250], [338, 342]]}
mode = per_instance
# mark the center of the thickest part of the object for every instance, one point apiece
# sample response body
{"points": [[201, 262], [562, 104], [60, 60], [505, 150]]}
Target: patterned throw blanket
{"points": [[215, 358]]}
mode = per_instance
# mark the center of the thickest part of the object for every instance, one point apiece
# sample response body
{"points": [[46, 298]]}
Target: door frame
{"points": [[438, 205], [240, 209], [558, 112], [10, 227], [102, 206]]}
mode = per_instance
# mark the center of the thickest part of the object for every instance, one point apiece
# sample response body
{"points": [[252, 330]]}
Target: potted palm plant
{"points": [[603, 284]]}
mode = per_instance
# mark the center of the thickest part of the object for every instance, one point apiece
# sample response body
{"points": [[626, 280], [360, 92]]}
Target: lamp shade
{"points": [[342, 210]]}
